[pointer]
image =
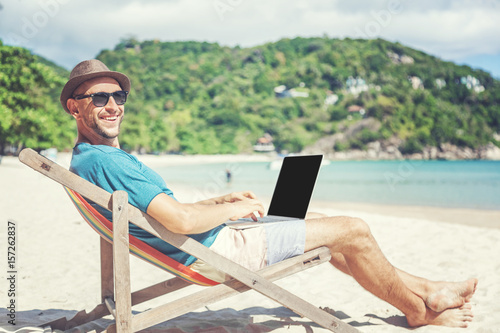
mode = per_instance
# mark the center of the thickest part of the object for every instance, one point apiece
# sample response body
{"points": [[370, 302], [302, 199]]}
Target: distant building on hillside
{"points": [[331, 98], [264, 144], [472, 83], [440, 83], [356, 85], [400, 59], [283, 92], [356, 109], [416, 82]]}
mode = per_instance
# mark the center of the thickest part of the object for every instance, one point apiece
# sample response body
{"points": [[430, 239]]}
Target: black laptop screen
{"points": [[295, 185]]}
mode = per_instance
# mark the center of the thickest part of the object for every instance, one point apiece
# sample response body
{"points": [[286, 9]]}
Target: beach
{"points": [[57, 262]]}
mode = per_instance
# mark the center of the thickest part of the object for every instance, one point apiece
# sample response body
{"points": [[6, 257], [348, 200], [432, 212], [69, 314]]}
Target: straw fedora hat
{"points": [[87, 70]]}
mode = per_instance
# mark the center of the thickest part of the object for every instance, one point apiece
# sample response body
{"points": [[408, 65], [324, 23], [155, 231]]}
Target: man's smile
{"points": [[109, 118]]}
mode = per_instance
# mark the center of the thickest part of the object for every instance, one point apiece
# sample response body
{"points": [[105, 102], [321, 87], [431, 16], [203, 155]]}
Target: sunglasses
{"points": [[101, 98]]}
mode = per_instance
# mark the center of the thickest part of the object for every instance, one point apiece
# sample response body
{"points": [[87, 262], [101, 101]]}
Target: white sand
{"points": [[58, 267]]}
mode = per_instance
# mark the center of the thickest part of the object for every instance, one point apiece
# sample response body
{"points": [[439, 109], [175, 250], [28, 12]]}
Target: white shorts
{"points": [[257, 247]]}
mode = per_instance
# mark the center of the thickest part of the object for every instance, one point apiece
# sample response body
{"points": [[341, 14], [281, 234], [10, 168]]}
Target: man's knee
{"points": [[341, 233], [360, 234], [359, 227]]}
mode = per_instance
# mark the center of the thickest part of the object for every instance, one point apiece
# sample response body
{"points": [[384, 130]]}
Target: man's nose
{"points": [[111, 105]]}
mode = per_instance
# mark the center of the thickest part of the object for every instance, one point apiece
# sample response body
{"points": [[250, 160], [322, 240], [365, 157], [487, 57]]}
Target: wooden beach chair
{"points": [[117, 298]]}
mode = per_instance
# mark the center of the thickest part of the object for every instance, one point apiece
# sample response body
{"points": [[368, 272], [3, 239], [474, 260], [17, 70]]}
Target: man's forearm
{"points": [[211, 201], [197, 218]]}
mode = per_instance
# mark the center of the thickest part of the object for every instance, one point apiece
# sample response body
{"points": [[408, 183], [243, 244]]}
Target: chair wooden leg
{"points": [[102, 309], [123, 301], [107, 284]]}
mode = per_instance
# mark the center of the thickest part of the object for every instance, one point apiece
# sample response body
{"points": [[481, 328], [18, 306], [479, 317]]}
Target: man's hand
{"points": [[236, 196], [246, 202], [246, 207], [232, 197]]}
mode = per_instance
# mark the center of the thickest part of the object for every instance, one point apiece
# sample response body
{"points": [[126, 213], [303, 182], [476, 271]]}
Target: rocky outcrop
{"points": [[389, 150], [326, 144], [448, 151]]}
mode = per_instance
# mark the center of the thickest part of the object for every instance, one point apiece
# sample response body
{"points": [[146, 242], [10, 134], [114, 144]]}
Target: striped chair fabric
{"points": [[104, 228]]}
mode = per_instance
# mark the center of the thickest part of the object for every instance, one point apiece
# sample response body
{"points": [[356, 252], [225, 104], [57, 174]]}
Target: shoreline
{"points": [[483, 218]]}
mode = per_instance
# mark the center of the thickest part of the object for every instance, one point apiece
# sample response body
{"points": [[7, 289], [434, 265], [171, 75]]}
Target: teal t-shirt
{"points": [[112, 169]]}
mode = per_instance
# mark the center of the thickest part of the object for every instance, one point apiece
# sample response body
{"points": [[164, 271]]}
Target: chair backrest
{"points": [[104, 228]]}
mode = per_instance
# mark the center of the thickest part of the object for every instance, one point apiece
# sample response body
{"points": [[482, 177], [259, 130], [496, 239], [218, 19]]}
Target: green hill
{"points": [[196, 97]]}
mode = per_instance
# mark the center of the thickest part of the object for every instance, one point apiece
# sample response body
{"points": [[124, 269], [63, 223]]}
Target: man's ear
{"points": [[72, 107]]}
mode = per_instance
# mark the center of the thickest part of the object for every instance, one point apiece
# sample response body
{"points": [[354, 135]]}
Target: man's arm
{"points": [[197, 218]]}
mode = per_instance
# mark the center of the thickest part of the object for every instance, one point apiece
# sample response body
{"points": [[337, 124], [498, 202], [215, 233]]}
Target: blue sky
{"points": [[67, 32]]}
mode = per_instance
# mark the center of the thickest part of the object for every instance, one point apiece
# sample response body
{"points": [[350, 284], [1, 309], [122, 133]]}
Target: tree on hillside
{"points": [[29, 113]]}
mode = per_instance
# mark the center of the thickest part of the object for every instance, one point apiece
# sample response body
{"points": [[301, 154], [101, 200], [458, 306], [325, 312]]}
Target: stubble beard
{"points": [[104, 132]]}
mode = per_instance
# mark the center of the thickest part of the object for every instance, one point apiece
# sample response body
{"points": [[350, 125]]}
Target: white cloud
{"points": [[69, 31], [449, 34]]}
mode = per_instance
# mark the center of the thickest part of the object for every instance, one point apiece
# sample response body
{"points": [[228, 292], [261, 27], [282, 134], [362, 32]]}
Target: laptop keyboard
{"points": [[268, 218]]}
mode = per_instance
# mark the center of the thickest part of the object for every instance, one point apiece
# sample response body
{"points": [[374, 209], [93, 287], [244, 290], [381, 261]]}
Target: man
{"points": [[95, 97]]}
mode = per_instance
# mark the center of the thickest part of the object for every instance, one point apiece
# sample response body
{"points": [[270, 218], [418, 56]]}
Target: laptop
{"points": [[292, 193]]}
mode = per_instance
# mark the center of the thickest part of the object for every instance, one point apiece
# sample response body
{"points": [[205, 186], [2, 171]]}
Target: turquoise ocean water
{"points": [[455, 184]]}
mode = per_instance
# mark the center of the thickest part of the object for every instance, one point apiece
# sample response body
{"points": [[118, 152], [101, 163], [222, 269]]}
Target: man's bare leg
{"points": [[364, 261], [437, 295]]}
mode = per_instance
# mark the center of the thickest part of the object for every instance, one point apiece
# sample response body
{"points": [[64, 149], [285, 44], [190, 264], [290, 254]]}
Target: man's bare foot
{"points": [[458, 317], [450, 295]]}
